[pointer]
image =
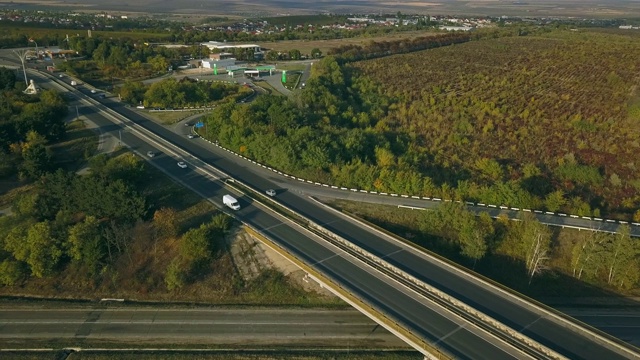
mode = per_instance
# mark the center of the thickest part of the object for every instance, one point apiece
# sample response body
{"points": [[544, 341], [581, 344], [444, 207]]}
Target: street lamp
{"points": [[33, 41]]}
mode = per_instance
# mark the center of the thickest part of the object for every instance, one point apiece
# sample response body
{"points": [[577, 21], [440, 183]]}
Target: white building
{"points": [[224, 47], [209, 64]]}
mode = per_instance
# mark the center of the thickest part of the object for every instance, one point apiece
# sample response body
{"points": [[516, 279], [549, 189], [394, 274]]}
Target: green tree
{"points": [[86, 245], [316, 53], [43, 249], [585, 253], [195, 245], [11, 272], [7, 78], [620, 259], [273, 55], [294, 54], [555, 200], [36, 156], [175, 276], [159, 63]]}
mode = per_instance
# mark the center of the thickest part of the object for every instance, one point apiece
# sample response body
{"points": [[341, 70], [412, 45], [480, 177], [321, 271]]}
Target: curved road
{"points": [[458, 339], [432, 323], [537, 326]]}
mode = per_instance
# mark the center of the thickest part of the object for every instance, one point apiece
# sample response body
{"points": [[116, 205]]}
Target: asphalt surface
{"points": [[436, 326], [537, 326], [250, 327], [458, 340]]}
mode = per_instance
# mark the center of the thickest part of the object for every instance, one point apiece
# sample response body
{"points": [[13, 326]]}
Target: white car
{"points": [[182, 164], [93, 91], [191, 136], [271, 192], [150, 154]]}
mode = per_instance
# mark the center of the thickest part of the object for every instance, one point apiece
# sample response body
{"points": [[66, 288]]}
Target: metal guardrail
{"points": [[379, 263]]}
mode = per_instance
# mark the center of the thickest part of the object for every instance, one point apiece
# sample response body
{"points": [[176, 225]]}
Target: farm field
{"points": [[555, 113], [305, 46]]}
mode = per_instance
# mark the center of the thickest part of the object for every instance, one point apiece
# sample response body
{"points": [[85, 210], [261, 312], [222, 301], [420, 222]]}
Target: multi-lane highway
{"points": [[458, 338], [438, 326], [539, 326]]}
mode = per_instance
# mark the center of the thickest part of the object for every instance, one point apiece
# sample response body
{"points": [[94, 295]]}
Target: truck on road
{"points": [[231, 202]]}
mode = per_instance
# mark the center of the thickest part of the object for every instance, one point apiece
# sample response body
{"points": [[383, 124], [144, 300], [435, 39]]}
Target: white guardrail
{"points": [[434, 199], [458, 304]]}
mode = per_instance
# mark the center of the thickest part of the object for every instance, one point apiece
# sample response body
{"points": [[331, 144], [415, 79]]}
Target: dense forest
{"points": [[66, 221], [27, 124], [546, 121]]}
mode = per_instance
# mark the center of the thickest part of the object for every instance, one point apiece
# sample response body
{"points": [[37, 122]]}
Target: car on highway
{"points": [[151, 154], [182, 164], [271, 192], [93, 91], [60, 76], [191, 136], [187, 124]]}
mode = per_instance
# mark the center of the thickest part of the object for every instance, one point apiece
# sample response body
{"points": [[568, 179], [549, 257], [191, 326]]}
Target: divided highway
{"points": [[456, 337], [437, 326]]}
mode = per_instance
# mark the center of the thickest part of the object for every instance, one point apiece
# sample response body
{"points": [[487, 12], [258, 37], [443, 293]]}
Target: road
{"points": [[249, 327], [537, 326], [436, 325], [252, 327], [459, 340]]}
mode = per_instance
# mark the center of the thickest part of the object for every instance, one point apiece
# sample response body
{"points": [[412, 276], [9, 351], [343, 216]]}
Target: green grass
{"points": [[291, 67], [78, 145], [265, 85], [172, 117]]}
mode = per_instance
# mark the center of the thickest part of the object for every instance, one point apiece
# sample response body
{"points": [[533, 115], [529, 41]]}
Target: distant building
{"points": [[456, 28], [225, 47], [225, 63], [221, 56]]}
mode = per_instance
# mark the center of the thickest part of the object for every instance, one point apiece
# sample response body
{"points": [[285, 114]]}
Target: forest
{"points": [[543, 121], [64, 221], [186, 92]]}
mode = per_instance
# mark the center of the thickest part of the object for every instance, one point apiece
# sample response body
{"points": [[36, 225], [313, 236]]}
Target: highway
{"points": [[407, 200], [537, 326], [436, 325], [458, 340], [220, 326]]}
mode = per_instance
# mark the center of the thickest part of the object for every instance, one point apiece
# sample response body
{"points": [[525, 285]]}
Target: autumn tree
{"points": [[165, 222], [620, 259]]}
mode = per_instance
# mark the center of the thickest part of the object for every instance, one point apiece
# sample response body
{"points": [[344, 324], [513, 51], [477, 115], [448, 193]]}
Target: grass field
{"points": [[305, 46], [172, 117]]}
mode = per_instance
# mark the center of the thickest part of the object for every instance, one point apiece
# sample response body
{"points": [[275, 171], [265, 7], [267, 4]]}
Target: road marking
{"points": [[389, 254]]}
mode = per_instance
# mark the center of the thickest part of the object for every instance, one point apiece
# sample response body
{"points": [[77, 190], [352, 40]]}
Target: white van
{"points": [[231, 202]]}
